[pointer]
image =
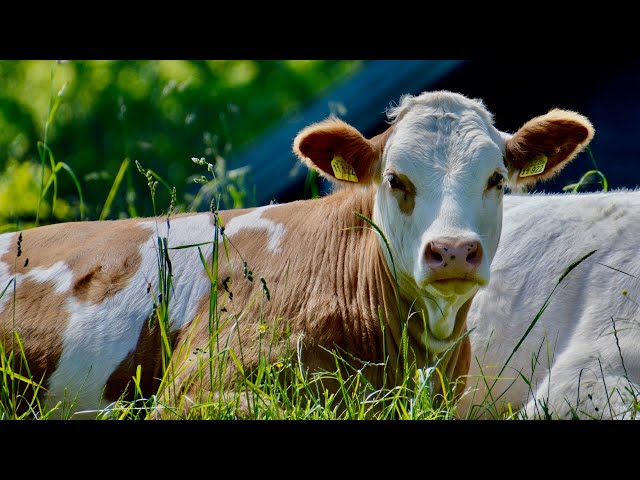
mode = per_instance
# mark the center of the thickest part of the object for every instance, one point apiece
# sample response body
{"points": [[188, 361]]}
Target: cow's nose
{"points": [[453, 258]]}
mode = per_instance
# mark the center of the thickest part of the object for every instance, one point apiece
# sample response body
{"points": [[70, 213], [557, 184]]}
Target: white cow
{"points": [[582, 356]]}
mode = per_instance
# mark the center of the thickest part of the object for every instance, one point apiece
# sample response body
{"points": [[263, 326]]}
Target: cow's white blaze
{"points": [[449, 154], [255, 221]]}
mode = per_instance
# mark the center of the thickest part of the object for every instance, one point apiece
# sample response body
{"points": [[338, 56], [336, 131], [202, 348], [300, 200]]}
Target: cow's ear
{"points": [[340, 152], [545, 144]]}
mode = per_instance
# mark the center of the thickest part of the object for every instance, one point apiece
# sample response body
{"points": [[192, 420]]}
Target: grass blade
{"points": [[77, 183], [106, 209]]}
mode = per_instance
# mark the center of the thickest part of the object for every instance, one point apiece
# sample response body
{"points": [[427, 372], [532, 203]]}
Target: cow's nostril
{"points": [[474, 257], [433, 256]]}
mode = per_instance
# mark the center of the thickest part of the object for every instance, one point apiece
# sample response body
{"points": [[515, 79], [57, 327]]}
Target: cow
{"points": [[565, 290], [382, 270]]}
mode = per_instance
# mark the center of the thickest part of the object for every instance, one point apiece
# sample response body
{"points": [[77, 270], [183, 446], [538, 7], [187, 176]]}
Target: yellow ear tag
{"points": [[342, 170], [535, 166]]}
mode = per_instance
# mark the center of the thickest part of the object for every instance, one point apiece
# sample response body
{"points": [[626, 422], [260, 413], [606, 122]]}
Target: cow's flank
{"points": [[581, 358], [397, 252]]}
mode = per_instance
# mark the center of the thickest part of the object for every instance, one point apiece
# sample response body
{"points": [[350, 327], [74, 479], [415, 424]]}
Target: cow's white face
{"points": [[439, 204], [439, 172]]}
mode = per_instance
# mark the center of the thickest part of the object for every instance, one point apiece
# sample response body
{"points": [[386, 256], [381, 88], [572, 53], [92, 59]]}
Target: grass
{"points": [[45, 152]]}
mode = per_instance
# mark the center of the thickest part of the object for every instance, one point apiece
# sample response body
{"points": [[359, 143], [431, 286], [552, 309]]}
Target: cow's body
{"points": [[583, 368], [324, 286], [432, 184]]}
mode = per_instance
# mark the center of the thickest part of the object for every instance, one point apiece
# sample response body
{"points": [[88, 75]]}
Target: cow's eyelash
{"points": [[393, 181], [496, 181]]}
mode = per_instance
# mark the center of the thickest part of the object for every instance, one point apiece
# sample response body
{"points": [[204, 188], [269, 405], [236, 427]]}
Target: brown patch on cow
{"points": [[559, 135], [459, 364], [102, 256], [147, 354], [40, 319], [405, 194]]}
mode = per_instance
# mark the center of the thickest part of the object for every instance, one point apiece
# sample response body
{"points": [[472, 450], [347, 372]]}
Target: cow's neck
{"points": [[374, 294]]}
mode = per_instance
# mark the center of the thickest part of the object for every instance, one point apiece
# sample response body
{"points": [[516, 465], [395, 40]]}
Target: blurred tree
{"points": [[160, 112]]}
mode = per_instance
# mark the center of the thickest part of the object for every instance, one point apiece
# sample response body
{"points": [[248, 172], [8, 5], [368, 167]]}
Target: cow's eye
{"points": [[496, 181], [394, 181]]}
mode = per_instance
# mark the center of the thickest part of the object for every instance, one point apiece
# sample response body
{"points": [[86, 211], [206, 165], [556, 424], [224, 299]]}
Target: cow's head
{"points": [[439, 173]]}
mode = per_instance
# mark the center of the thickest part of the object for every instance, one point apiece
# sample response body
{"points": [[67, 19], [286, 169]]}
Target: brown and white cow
{"points": [[433, 185]]}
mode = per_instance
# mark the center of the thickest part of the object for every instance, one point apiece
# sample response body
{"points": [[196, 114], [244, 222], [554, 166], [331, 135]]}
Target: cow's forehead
{"points": [[438, 102], [447, 138]]}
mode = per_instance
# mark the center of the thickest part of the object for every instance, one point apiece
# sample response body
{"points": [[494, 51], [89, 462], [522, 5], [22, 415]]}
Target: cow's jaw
{"points": [[442, 303]]}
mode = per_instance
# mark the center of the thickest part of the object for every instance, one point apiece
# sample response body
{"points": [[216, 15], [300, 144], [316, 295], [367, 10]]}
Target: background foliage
{"points": [[160, 113]]}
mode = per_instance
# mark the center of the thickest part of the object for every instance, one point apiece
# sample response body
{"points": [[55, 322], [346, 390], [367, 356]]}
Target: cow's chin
{"points": [[444, 299], [451, 287]]}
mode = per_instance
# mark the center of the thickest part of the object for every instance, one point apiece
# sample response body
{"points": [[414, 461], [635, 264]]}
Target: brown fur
{"points": [[102, 258], [39, 318], [560, 135], [406, 196], [147, 355], [456, 364]]}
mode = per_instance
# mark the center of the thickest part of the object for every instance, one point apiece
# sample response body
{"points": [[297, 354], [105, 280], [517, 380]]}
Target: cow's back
{"points": [[543, 235]]}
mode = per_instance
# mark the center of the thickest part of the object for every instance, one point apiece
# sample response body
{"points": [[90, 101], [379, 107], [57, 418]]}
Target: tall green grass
{"points": [[45, 152]]}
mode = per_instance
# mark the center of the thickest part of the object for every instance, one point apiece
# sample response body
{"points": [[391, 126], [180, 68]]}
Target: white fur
{"points": [[254, 221], [58, 274], [542, 236]]}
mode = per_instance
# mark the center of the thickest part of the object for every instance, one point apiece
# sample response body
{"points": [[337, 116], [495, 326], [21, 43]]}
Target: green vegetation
{"points": [[586, 180], [86, 122]]}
